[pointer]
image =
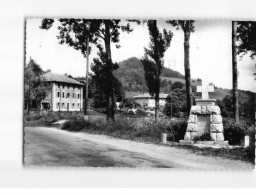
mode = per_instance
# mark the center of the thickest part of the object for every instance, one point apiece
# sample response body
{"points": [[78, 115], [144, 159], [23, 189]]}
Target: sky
{"points": [[210, 52]]}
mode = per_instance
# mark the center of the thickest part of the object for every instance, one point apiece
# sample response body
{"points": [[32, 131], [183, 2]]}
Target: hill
{"points": [[131, 75]]}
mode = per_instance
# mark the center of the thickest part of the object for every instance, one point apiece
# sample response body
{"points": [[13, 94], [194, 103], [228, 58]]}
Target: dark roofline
{"points": [[57, 78]]}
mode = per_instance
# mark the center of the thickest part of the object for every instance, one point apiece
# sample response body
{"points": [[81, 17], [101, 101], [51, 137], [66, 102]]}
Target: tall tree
{"points": [[235, 73], [246, 37], [153, 60], [188, 27], [37, 87], [76, 32]]}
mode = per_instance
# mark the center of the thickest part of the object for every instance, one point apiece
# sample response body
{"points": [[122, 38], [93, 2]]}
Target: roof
{"points": [[60, 78], [146, 95]]}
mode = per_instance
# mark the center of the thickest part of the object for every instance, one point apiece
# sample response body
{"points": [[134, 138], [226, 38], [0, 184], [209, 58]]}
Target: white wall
{"points": [[149, 102], [75, 104]]}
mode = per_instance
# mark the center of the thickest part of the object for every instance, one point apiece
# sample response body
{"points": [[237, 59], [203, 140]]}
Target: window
{"points": [[74, 96], [78, 96], [78, 105], [67, 95], [63, 94], [73, 105], [58, 105], [63, 104], [58, 94]]}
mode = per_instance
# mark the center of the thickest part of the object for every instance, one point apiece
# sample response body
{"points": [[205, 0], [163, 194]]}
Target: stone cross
{"points": [[204, 89]]}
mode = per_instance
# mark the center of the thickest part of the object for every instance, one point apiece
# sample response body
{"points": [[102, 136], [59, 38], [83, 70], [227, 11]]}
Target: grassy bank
{"points": [[145, 129]]}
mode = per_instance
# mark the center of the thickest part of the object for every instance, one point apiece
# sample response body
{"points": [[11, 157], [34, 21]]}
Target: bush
{"points": [[141, 112], [146, 129], [206, 136], [75, 124], [249, 153], [234, 132]]}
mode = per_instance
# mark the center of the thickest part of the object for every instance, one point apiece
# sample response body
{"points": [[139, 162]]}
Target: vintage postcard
{"points": [[154, 93]]}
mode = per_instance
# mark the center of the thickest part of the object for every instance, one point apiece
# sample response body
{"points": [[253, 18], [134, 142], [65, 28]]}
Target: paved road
{"points": [[54, 147]]}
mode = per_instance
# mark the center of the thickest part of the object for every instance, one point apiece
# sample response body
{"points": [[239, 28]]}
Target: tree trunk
{"points": [[187, 66], [110, 94], [87, 71], [235, 74]]}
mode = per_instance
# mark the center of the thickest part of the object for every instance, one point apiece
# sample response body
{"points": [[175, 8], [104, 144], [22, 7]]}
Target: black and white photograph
{"points": [[139, 93]]}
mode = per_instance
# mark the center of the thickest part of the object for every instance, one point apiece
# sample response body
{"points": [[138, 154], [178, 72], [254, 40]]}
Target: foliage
{"points": [[176, 101], [246, 36], [234, 132], [75, 125], [153, 60], [177, 85], [226, 106], [206, 136], [76, 32], [35, 86], [100, 80], [141, 112], [188, 27], [128, 103], [47, 118], [145, 129]]}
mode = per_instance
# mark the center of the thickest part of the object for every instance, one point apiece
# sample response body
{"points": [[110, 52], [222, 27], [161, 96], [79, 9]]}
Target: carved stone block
{"points": [[213, 110], [191, 118], [216, 118], [217, 136], [195, 110], [191, 127], [216, 128], [203, 110]]}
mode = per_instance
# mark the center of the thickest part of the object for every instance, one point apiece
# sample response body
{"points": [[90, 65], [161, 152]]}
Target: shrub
{"points": [[178, 129], [75, 124], [33, 116], [146, 128], [206, 136], [249, 153], [141, 112], [234, 132]]}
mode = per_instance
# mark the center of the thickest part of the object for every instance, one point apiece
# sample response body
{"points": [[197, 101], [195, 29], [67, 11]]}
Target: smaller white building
{"points": [[146, 100]]}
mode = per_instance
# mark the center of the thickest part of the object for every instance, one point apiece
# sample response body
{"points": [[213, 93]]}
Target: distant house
{"points": [[66, 93], [146, 100]]}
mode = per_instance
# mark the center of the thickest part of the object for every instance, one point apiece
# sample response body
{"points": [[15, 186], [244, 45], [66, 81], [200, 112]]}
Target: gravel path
{"points": [[54, 147]]}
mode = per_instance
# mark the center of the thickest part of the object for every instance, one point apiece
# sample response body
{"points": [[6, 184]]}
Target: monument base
{"points": [[208, 143], [208, 102], [204, 117], [222, 143]]}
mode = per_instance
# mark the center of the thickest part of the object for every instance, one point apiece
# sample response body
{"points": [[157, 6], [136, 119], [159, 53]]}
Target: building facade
{"points": [[146, 100], [66, 94]]}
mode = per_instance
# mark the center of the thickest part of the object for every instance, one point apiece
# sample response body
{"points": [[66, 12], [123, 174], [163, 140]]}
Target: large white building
{"points": [[66, 94], [146, 100]]}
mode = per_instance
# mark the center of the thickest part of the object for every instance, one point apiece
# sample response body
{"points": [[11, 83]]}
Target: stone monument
{"points": [[204, 117]]}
